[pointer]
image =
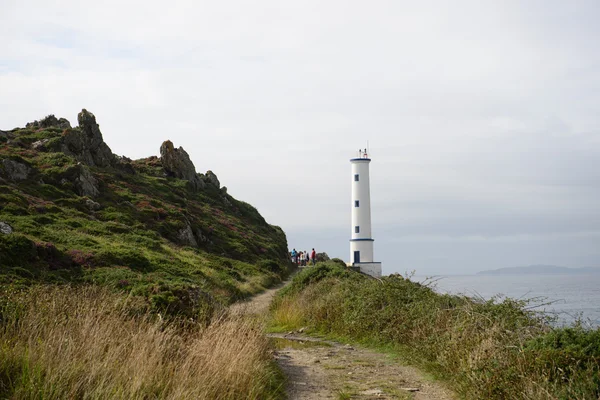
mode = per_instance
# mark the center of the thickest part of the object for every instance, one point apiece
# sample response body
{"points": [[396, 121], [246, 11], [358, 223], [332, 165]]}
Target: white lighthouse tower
{"points": [[361, 242]]}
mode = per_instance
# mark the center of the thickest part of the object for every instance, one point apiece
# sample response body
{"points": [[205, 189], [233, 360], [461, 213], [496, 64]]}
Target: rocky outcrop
{"points": [[82, 179], [186, 236], [49, 122], [5, 228], [14, 170], [86, 143], [211, 178], [177, 163], [124, 164], [40, 144]]}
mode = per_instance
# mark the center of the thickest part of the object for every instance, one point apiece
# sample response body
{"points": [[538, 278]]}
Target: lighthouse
{"points": [[361, 241]]}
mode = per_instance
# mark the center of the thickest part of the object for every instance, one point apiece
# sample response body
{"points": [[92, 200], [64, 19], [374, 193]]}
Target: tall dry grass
{"points": [[89, 343]]}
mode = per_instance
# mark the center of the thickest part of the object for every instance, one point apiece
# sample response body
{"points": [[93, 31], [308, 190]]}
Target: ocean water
{"points": [[569, 297]]}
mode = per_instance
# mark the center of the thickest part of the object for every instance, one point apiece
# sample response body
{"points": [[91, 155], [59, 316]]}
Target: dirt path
{"points": [[259, 304], [323, 369]]}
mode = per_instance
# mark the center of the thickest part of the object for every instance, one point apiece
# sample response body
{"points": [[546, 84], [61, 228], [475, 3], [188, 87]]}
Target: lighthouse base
{"points": [[370, 268]]}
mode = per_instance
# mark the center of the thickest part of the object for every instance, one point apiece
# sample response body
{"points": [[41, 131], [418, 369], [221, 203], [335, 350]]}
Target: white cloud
{"points": [[483, 117]]}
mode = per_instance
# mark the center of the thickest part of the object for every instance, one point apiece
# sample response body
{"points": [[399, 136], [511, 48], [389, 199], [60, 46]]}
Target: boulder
{"points": [[186, 236], [40, 144], [92, 205], [86, 143], [84, 182], [14, 170], [211, 178], [63, 123], [124, 164], [5, 228], [177, 163]]}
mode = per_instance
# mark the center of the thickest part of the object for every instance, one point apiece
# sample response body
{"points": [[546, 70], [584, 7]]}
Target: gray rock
{"points": [[40, 144], [86, 143], [224, 190], [49, 121], [92, 205], [63, 123], [186, 236], [14, 170], [372, 392], [200, 182], [124, 164], [201, 236], [5, 228], [177, 163], [211, 178], [84, 181]]}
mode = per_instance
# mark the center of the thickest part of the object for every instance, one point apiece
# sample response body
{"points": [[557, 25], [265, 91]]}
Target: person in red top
{"points": [[313, 256]]}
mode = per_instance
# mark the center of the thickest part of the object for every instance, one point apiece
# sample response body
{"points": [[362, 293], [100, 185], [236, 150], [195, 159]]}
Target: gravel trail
{"points": [[324, 369]]}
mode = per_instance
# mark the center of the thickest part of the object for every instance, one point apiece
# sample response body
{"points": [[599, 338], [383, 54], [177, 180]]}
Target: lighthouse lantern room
{"points": [[361, 242]]}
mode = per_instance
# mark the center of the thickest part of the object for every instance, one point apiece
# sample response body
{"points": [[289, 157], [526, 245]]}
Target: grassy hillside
{"points": [[78, 213], [114, 273], [483, 349]]}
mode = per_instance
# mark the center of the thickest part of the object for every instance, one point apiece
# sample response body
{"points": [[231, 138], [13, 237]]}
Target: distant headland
{"points": [[541, 269]]}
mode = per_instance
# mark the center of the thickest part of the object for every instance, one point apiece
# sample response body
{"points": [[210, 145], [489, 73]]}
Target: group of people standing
{"points": [[303, 258]]}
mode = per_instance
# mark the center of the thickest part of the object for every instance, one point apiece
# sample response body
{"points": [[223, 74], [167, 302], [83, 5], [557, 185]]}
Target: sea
{"points": [[567, 297]]}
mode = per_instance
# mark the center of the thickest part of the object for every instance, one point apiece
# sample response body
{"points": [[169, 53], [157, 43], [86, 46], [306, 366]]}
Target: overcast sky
{"points": [[483, 117]]}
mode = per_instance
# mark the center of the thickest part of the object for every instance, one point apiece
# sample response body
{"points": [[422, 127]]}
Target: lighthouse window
{"points": [[355, 203], [356, 178], [356, 229]]}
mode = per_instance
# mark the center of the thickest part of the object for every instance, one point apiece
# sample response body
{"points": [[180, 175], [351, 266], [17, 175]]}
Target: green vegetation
{"points": [[484, 349], [114, 280], [129, 237]]}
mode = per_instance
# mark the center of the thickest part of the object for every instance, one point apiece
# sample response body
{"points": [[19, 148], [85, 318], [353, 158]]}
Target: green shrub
{"points": [[16, 250], [184, 300], [271, 265], [308, 276], [339, 261], [485, 349], [567, 355]]}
